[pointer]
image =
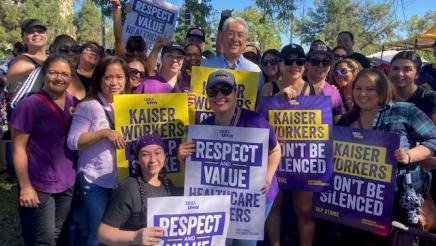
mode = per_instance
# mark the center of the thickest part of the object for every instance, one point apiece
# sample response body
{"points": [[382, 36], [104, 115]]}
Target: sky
{"points": [[411, 7]]}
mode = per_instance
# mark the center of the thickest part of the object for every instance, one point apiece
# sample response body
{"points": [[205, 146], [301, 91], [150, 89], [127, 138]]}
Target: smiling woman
{"points": [[93, 133], [46, 178]]}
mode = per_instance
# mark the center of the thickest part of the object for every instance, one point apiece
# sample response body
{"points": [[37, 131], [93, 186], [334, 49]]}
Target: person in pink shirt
{"points": [[93, 133]]}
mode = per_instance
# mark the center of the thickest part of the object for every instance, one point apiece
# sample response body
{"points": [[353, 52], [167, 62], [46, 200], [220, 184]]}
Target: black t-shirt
{"points": [[125, 208], [87, 82], [427, 77], [425, 100], [361, 59]]}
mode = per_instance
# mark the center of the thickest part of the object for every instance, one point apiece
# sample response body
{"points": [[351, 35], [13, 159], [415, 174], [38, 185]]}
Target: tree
{"points": [[282, 11], [12, 13], [263, 31], [88, 23], [201, 15], [370, 23], [417, 25]]}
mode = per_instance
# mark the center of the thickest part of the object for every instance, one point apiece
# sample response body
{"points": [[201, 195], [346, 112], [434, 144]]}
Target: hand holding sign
{"points": [[185, 149], [115, 138], [161, 41], [148, 236]]}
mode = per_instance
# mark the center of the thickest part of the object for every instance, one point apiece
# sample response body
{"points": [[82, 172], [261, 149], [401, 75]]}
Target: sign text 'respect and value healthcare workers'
{"points": [[196, 221], [231, 161]]}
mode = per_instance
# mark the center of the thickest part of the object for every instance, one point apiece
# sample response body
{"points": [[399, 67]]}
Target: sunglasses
{"points": [[315, 61], [136, 72], [271, 62], [290, 61], [342, 72], [214, 90], [64, 49]]}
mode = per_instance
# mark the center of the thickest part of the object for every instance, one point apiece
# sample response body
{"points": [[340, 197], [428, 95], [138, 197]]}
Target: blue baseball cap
{"points": [[220, 77]]}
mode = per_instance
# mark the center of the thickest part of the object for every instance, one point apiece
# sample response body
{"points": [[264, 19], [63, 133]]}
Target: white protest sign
{"points": [[190, 221], [150, 19], [231, 161]]}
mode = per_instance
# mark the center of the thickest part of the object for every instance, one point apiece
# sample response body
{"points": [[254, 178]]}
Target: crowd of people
{"points": [[57, 110]]}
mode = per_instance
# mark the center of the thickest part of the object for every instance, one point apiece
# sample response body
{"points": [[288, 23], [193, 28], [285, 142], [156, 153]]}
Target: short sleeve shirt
{"points": [[337, 104], [50, 162], [425, 100], [155, 84], [125, 208]]}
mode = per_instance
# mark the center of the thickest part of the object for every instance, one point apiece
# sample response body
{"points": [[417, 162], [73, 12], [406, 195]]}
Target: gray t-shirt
{"points": [[125, 207]]}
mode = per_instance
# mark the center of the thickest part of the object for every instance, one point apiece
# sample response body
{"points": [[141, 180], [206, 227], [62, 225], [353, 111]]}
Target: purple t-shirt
{"points": [[155, 84], [50, 162], [253, 119], [337, 104]]}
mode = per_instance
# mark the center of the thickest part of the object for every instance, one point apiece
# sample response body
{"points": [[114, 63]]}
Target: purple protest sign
{"points": [[361, 190], [303, 128]]}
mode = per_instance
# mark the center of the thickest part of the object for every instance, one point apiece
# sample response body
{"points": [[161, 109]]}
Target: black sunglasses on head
{"points": [[290, 61], [271, 62], [214, 90], [316, 61], [67, 48]]}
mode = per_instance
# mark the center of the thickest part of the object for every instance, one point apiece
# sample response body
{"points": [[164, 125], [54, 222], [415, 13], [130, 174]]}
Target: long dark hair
{"points": [[276, 54], [100, 70]]}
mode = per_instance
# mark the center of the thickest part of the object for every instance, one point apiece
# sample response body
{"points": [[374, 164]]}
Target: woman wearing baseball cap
{"points": [[221, 93]]}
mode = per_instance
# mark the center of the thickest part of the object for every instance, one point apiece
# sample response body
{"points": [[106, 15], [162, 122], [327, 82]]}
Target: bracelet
{"points": [[410, 158]]}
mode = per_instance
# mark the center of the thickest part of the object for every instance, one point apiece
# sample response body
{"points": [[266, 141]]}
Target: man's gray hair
{"points": [[237, 20]]}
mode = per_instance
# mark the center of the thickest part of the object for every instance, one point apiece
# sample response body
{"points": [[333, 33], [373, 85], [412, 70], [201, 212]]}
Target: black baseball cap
{"points": [[172, 46], [292, 49], [196, 32], [27, 24], [320, 49]]}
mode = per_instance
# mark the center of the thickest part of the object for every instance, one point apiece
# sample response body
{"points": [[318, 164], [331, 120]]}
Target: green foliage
{"points": [[263, 31], [418, 25], [370, 23], [279, 9], [201, 15], [48, 12], [88, 23]]}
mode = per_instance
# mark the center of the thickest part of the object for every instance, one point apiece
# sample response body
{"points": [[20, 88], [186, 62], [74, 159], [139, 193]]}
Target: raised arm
{"points": [[118, 29]]}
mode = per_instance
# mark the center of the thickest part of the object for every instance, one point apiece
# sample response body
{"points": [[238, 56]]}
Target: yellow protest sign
{"points": [[247, 85], [140, 114]]}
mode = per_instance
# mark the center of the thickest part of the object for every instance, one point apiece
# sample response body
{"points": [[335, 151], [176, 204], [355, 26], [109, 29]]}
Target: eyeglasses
{"points": [[64, 49], [174, 56], [214, 90], [271, 62], [135, 72], [133, 50], [342, 72], [290, 61], [340, 57], [316, 61], [54, 74]]}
